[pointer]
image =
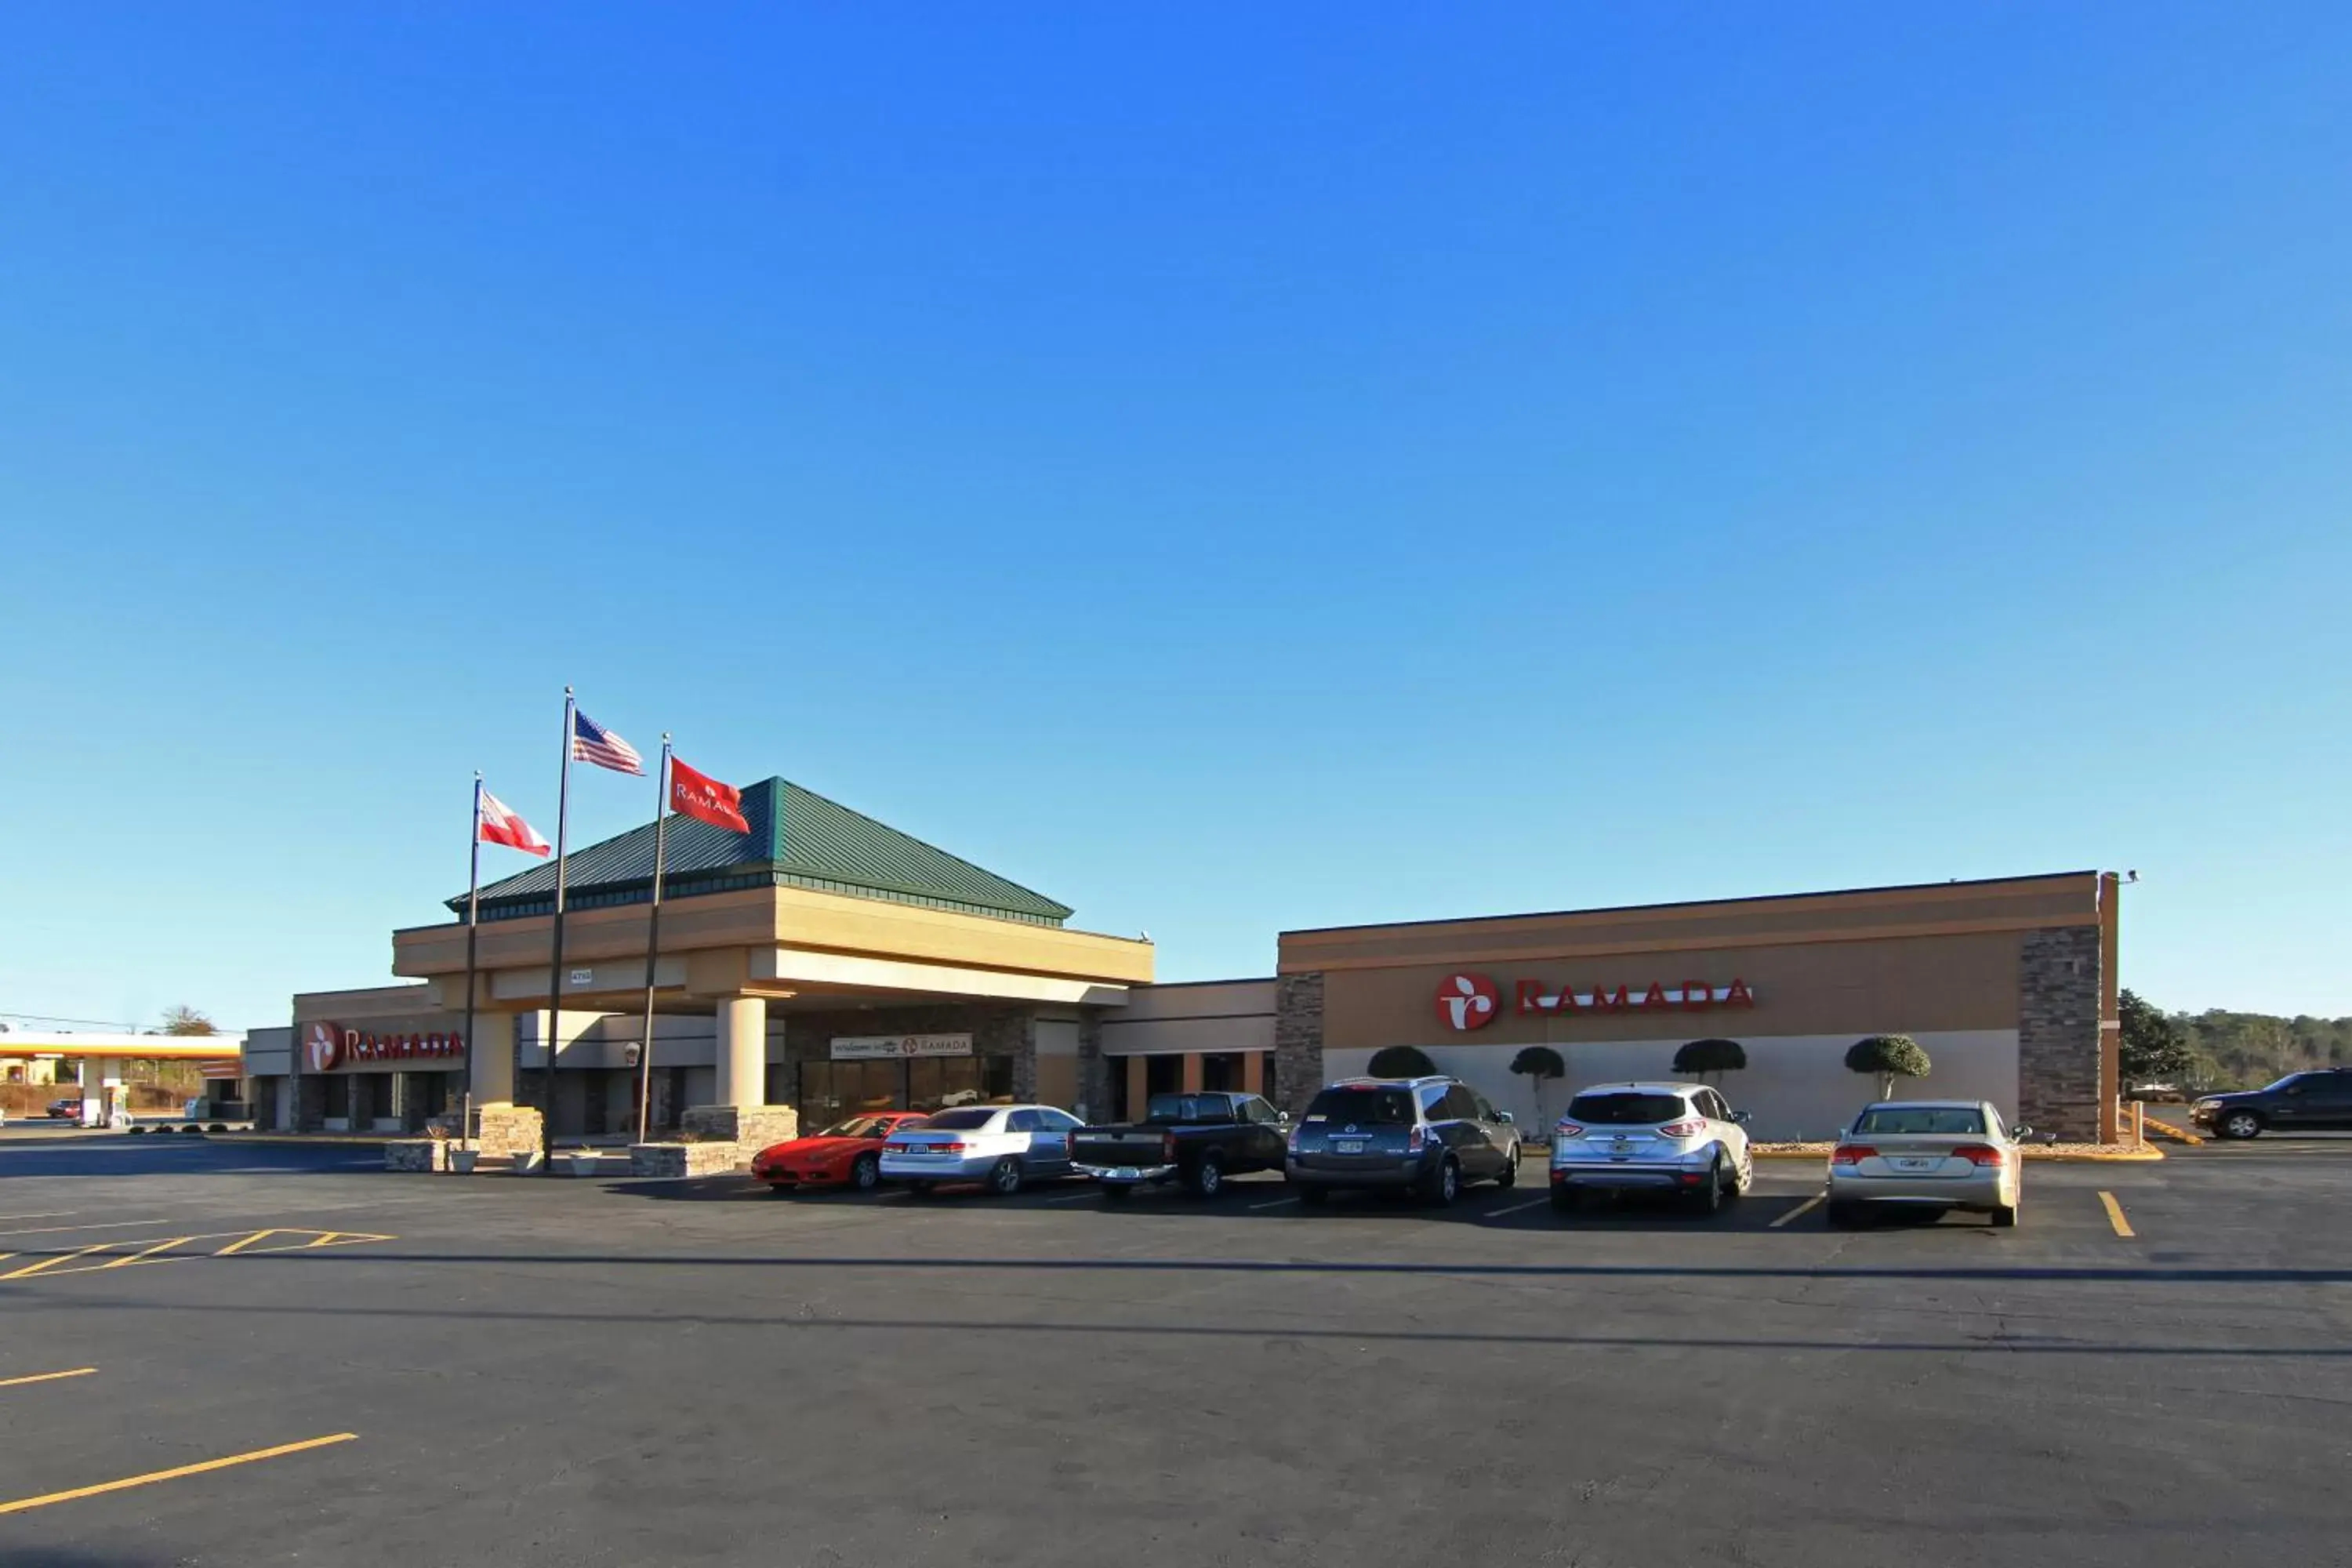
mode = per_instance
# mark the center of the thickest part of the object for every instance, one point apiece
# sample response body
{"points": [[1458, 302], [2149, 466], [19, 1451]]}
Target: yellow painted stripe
{"points": [[46, 1376], [23, 1504], [2116, 1214], [52, 1260], [128, 1258], [243, 1242], [1802, 1209]]}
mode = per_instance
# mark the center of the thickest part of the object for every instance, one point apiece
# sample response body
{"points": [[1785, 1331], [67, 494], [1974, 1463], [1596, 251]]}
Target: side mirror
{"points": [[2020, 1132], [1741, 1116], [1506, 1116], [1283, 1117]]}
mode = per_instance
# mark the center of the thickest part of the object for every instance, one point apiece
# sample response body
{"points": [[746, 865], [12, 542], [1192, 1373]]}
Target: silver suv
{"points": [[1428, 1135], [1670, 1137]]}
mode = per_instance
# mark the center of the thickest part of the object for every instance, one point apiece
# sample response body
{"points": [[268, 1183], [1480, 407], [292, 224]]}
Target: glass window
{"points": [[1023, 1121], [1221, 1071], [1254, 1108], [942, 1083], [996, 1080], [1363, 1107], [1626, 1108], [1433, 1101], [1485, 1107], [1919, 1120], [1058, 1120], [1458, 1104], [1183, 1107], [969, 1118]]}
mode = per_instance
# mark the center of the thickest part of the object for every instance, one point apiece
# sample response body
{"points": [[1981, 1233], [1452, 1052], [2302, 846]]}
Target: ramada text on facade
{"points": [[824, 964]]}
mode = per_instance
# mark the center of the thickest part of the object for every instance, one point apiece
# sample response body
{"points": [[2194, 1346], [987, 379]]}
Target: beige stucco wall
{"points": [[1215, 1016]]}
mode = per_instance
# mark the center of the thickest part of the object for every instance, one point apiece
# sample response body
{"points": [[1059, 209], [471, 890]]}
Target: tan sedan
{"points": [[1928, 1154]]}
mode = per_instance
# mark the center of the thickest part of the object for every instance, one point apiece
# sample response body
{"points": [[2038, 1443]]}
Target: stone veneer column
{"points": [[743, 1052], [2059, 1082], [1297, 1039], [1094, 1081]]}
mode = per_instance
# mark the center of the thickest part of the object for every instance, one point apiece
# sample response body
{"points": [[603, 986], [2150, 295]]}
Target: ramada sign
{"points": [[326, 1047], [1473, 1001]]}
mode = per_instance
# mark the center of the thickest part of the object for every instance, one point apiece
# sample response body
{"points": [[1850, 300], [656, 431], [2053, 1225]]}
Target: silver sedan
{"points": [[1928, 1154]]}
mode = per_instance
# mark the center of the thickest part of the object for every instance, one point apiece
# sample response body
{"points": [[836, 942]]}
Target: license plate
{"points": [[1347, 1145], [1622, 1149], [1917, 1164]]}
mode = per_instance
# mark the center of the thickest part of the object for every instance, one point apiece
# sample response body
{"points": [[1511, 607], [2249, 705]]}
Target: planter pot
{"points": [[581, 1164], [526, 1162], [462, 1160]]}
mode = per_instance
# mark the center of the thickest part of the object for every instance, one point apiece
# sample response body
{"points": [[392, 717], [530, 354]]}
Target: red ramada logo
{"points": [[1468, 1000]]}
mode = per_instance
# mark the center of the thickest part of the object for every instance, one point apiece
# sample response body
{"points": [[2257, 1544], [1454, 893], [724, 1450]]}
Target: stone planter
{"points": [[413, 1154], [581, 1164], [526, 1162], [462, 1160]]}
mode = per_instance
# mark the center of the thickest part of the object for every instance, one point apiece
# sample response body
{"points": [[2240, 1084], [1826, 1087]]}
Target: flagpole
{"points": [[555, 945], [653, 943], [473, 922]]}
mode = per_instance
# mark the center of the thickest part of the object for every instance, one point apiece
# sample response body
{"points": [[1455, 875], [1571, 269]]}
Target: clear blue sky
{"points": [[1229, 468]]}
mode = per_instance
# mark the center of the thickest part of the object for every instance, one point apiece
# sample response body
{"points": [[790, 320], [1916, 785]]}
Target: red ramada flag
{"points": [[701, 797], [498, 825]]}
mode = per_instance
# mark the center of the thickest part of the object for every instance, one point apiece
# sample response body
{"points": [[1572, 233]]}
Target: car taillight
{"points": [[1292, 1141], [1567, 1129], [1690, 1128], [1167, 1148], [1978, 1155], [1851, 1154], [1416, 1141]]}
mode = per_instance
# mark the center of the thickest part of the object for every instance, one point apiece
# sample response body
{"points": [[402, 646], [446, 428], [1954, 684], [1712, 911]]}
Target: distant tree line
{"points": [[2221, 1049]]}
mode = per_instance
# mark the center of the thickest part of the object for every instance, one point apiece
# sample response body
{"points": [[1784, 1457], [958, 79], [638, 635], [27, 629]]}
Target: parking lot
{"points": [[293, 1357]]}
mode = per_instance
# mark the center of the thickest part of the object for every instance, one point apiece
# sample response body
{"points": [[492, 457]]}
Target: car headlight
{"points": [[2208, 1105]]}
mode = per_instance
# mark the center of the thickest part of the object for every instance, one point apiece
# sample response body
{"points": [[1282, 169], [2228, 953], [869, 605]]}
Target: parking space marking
{"points": [[44, 1214], [1802, 1209], [1497, 1214], [1275, 1204], [45, 1377], [1071, 1198], [2116, 1215], [165, 1249], [106, 1225], [23, 1504]]}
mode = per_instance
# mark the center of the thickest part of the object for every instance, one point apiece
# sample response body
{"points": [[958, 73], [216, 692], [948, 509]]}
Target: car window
{"points": [[1252, 1109], [1625, 1108], [964, 1120], [1432, 1102], [1487, 1112], [1023, 1121], [1059, 1120], [1362, 1107], [1460, 1104], [1919, 1120], [1188, 1108]]}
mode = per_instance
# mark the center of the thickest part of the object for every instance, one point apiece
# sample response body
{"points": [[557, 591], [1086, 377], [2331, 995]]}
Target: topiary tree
{"points": [[1400, 1061], [1541, 1065], [1888, 1057], [1704, 1057]]}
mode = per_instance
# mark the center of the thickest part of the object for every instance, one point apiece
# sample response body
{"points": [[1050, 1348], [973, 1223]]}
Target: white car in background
{"points": [[999, 1146], [1680, 1138], [1930, 1154]]}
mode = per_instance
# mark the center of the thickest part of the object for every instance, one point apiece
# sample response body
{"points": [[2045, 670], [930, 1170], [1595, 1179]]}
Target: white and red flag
{"points": [[496, 823], [701, 797]]}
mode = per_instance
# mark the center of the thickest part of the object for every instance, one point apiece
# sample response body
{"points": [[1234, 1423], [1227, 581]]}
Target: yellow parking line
{"points": [[2116, 1214], [52, 1260], [129, 1258], [110, 1225], [1808, 1206], [21, 1504], [243, 1242], [46, 1376]]}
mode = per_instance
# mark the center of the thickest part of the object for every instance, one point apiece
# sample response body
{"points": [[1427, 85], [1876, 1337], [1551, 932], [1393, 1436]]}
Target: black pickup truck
{"points": [[1203, 1138]]}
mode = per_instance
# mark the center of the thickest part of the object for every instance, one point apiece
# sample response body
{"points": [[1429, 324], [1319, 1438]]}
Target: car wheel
{"points": [[1313, 1195], [2240, 1124], [1004, 1177], [1207, 1179], [866, 1172], [2004, 1217], [1510, 1173], [1447, 1184], [1709, 1196], [1118, 1192]]}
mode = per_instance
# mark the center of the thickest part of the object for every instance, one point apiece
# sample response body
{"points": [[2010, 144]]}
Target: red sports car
{"points": [[846, 1154]]}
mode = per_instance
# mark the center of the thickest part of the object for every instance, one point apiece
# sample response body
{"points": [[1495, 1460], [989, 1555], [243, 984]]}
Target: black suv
{"points": [[2299, 1102], [1428, 1135]]}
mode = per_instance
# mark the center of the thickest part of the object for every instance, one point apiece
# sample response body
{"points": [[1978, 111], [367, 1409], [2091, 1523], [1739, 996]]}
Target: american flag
{"points": [[592, 742]]}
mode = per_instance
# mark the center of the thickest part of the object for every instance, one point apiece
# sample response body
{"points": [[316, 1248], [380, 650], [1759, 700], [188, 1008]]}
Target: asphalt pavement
{"points": [[317, 1362]]}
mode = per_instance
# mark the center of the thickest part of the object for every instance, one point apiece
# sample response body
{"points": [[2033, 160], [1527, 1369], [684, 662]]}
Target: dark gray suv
{"points": [[1427, 1135]]}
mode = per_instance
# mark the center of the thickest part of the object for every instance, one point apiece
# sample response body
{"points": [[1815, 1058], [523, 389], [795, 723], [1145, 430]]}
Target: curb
{"points": [[306, 1139], [2170, 1130]]}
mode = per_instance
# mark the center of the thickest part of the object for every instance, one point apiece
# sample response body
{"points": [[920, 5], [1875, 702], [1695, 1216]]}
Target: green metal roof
{"points": [[798, 839]]}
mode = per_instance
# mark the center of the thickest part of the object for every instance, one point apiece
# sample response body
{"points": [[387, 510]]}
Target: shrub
{"points": [[1539, 1064], [1887, 1057], [1703, 1057], [217, 1127], [138, 1131], [1400, 1061]]}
